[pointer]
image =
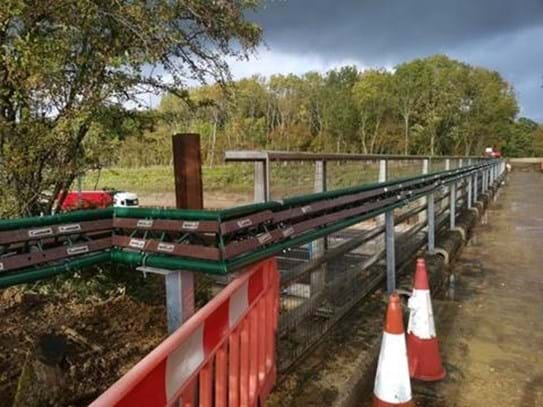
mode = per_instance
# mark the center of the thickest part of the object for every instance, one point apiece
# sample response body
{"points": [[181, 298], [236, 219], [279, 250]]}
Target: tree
{"points": [[63, 61], [372, 93], [406, 94], [524, 139]]}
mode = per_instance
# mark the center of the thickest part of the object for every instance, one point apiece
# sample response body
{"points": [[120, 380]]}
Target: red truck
{"points": [[89, 200]]}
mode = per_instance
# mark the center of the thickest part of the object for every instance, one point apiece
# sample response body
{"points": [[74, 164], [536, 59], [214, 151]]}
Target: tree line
{"points": [[434, 105]]}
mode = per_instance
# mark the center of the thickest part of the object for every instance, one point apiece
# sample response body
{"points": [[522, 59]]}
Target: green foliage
{"points": [[525, 139], [68, 67], [433, 105]]}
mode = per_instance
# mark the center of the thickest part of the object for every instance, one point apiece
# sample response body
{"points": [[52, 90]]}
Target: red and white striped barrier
{"points": [[223, 355]]}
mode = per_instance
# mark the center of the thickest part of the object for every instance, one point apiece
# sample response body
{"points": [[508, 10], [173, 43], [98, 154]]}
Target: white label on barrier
{"points": [[184, 361], [77, 250], [244, 223], [144, 223], [287, 232], [166, 247], [1, 266], [76, 227], [306, 208], [137, 243], [263, 238], [40, 232], [190, 225]]}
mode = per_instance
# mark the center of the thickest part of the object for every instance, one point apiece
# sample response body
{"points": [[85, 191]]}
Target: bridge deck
{"points": [[492, 333]]}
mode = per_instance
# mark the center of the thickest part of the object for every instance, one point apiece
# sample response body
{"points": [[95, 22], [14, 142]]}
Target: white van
{"points": [[125, 200]]}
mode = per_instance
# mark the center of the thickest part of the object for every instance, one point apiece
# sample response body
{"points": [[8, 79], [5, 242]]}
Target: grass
{"points": [[286, 179], [159, 179]]}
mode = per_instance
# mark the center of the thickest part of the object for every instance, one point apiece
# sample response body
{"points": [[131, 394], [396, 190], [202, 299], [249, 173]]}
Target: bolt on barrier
{"points": [[223, 355]]}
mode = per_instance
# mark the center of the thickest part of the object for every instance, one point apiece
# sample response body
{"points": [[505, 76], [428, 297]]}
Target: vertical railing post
{"points": [[444, 202], [431, 223], [383, 170], [262, 181], [382, 177], [452, 207], [470, 191], [187, 164], [475, 186], [318, 247], [390, 251], [461, 184], [425, 170]]}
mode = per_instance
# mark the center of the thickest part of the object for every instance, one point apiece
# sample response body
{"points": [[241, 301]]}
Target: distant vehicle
{"points": [[492, 152], [125, 200], [98, 199]]}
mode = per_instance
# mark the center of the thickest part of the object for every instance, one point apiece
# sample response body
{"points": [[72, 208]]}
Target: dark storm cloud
{"points": [[390, 29], [506, 35]]}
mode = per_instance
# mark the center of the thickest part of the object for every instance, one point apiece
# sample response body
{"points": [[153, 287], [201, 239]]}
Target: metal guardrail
{"points": [[262, 161], [215, 242], [333, 247], [321, 281]]}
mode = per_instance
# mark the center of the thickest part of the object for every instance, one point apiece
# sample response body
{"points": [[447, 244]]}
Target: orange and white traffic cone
{"points": [[392, 386], [422, 345]]}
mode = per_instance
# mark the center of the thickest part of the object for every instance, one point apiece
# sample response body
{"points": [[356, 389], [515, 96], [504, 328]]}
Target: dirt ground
{"points": [[212, 200], [491, 332], [93, 340]]}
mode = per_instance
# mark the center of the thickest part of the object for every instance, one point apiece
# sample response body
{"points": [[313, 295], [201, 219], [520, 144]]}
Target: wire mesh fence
{"points": [[323, 280]]}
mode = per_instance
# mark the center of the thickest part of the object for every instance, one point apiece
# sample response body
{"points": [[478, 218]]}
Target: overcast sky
{"points": [[304, 35]]}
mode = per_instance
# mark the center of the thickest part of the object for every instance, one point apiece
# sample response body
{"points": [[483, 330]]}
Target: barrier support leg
{"points": [[179, 298]]}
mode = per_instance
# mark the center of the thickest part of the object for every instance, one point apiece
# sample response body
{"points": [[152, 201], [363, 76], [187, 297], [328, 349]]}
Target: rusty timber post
{"points": [[187, 165]]}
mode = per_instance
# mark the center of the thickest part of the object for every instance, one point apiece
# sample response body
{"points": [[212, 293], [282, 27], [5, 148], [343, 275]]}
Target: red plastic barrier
{"points": [[223, 355]]}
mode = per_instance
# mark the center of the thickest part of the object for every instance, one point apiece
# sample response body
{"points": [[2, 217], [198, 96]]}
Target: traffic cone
{"points": [[392, 386], [422, 345]]}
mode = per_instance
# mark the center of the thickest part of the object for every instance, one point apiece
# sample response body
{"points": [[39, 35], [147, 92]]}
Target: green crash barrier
{"points": [[160, 213], [35, 221], [134, 258], [29, 276]]}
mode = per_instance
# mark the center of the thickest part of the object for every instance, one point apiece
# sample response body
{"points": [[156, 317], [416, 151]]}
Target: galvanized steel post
{"points": [[425, 170], [452, 207], [383, 175], [475, 186], [431, 223], [390, 248], [446, 189], [383, 171], [179, 298], [318, 247], [262, 181], [470, 191]]}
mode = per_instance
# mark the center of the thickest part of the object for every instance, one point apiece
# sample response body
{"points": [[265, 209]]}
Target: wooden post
{"points": [[189, 194], [187, 167]]}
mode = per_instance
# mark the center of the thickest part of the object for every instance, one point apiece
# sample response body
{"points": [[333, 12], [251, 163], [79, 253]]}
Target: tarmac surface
{"points": [[491, 326]]}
